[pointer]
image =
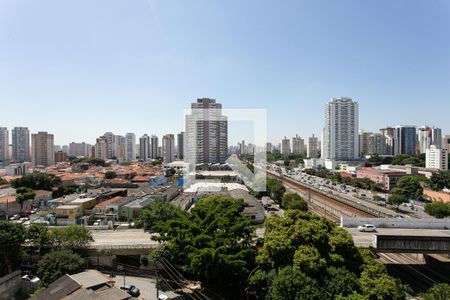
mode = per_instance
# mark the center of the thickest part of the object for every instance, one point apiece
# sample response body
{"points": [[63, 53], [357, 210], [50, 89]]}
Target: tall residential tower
{"points": [[340, 134]]}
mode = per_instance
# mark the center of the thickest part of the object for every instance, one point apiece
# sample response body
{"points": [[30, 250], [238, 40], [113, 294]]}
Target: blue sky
{"points": [[80, 68]]}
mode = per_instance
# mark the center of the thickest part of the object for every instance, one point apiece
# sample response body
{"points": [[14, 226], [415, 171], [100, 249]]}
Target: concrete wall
{"points": [[10, 285], [430, 223], [423, 244]]}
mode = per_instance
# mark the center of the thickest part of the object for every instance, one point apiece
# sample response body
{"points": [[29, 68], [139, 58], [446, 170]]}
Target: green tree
{"points": [[212, 242], [37, 181], [339, 281], [70, 237], [11, 236], [24, 194], [438, 209], [375, 282], [58, 263], [440, 291], [410, 186], [38, 237], [353, 296], [396, 199], [3, 181], [291, 283], [155, 213], [110, 175], [293, 201], [62, 191], [308, 260], [440, 180], [275, 189]]}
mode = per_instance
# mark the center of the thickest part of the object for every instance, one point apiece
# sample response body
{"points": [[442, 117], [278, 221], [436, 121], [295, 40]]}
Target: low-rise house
{"points": [[111, 207], [68, 214], [134, 208], [87, 285], [42, 197], [85, 202], [166, 193], [9, 206]]}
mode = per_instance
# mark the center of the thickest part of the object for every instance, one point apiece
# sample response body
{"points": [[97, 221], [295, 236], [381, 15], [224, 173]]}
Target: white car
{"points": [[367, 228], [31, 278]]}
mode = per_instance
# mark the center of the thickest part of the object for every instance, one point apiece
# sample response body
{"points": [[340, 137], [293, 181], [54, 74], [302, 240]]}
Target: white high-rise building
{"points": [[340, 135], [298, 145], [312, 147], [130, 146], [388, 134], [4, 144], [154, 153], [20, 144], [206, 133], [428, 136], [42, 149], [285, 147], [436, 158], [168, 148], [144, 148]]}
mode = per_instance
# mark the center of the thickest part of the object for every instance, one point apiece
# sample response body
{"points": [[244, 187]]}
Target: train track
{"points": [[331, 204], [418, 275]]}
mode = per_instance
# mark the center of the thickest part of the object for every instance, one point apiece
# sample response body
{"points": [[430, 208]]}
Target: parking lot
{"points": [[147, 286]]}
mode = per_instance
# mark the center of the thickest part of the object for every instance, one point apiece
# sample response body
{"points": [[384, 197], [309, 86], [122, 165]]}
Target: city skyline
{"points": [[146, 61]]}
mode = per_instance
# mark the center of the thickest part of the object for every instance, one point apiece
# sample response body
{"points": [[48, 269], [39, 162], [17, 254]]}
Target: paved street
{"points": [[147, 286], [122, 237]]}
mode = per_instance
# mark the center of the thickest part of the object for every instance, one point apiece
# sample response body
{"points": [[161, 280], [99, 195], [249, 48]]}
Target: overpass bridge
{"points": [[392, 240]]}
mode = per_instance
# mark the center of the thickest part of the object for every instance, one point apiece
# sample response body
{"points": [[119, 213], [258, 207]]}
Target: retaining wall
{"points": [[350, 222]]}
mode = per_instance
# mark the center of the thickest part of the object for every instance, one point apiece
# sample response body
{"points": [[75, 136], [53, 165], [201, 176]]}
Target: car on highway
{"points": [[367, 228], [131, 290]]}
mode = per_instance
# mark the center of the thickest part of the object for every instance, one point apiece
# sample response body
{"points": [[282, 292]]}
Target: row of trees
{"points": [[300, 257], [58, 249], [399, 159]]}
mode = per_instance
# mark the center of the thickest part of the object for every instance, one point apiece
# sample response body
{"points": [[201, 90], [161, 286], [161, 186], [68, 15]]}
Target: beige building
{"points": [[312, 150], [68, 214], [42, 146], [285, 147], [298, 145]]}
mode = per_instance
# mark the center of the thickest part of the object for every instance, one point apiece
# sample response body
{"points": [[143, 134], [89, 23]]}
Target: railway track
{"points": [[418, 275], [331, 204]]}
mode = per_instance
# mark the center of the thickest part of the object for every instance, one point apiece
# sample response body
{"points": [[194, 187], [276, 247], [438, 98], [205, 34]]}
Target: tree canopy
{"points": [[294, 201], [440, 180], [307, 257], [440, 291], [24, 194], [409, 186], [12, 236], [37, 181], [211, 243], [58, 263]]}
